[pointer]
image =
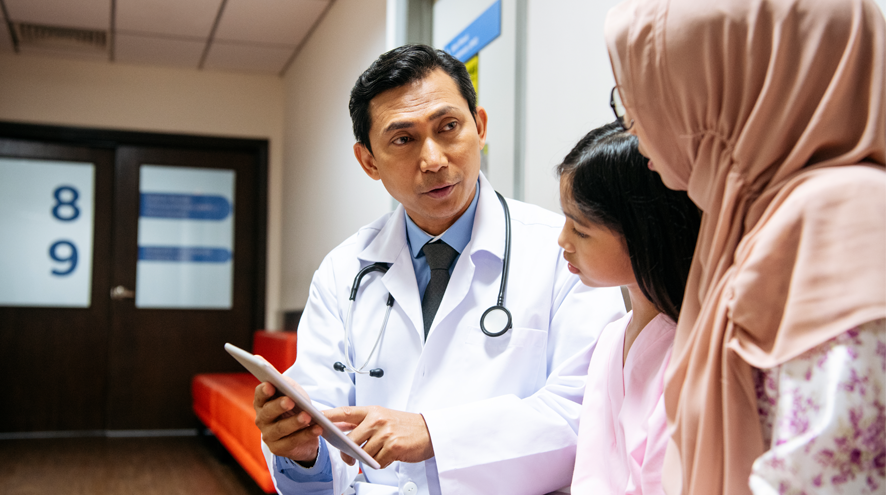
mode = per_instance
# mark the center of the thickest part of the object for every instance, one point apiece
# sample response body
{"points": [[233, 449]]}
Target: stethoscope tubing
{"points": [[350, 366], [506, 260], [382, 267]]}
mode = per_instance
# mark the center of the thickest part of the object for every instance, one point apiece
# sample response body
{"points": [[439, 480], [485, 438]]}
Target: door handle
{"points": [[119, 293]]}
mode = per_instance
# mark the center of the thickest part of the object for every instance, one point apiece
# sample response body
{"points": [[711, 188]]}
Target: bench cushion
{"points": [[278, 348], [223, 402]]}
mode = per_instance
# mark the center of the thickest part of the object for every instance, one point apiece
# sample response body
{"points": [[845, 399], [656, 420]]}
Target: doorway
{"points": [[175, 269]]}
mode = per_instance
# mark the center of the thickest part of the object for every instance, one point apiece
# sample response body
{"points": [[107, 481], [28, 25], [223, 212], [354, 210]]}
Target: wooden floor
{"points": [[99, 466]]}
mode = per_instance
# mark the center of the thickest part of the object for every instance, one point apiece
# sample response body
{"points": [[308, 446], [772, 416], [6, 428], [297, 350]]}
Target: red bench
{"points": [[223, 402]]}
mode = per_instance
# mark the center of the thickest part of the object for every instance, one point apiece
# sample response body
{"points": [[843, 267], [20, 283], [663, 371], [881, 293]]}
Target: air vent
{"points": [[61, 38]]}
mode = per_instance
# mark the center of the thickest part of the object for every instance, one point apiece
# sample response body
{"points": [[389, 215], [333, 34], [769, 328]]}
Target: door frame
{"points": [[111, 139]]}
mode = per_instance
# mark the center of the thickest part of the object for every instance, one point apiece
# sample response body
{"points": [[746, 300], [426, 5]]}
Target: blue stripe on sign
{"points": [[184, 254], [185, 206], [475, 37]]}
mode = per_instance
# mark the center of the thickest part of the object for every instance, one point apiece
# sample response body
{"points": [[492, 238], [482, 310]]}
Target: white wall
{"points": [[569, 78], [327, 195], [496, 79], [138, 98]]}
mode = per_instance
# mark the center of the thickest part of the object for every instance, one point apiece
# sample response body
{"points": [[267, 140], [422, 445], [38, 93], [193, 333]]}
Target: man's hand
{"points": [[389, 435], [288, 431]]}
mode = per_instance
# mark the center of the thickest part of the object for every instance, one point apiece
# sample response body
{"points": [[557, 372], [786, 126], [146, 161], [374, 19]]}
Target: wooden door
{"points": [[155, 352], [113, 366], [53, 361]]}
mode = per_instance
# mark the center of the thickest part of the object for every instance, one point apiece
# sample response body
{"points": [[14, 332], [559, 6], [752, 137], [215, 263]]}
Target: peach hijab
{"points": [[772, 115]]}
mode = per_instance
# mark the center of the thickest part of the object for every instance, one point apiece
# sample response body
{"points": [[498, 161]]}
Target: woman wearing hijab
{"points": [[772, 115]]}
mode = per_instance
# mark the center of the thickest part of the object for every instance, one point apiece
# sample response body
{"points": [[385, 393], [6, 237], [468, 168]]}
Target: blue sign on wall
{"points": [[480, 33]]}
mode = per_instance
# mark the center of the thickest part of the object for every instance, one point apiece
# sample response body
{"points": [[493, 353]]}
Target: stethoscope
{"points": [[496, 317]]}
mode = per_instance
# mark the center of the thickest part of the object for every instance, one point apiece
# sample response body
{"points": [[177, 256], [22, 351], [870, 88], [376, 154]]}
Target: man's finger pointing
{"points": [[346, 414]]}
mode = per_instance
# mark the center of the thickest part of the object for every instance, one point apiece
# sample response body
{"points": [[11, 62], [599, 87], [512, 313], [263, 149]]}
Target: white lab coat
{"points": [[502, 412]]}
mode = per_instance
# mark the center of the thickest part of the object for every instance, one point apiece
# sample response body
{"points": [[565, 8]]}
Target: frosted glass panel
{"points": [[185, 238], [46, 222]]}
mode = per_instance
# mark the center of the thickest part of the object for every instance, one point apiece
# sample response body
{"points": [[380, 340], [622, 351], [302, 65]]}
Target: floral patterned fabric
{"points": [[824, 417]]}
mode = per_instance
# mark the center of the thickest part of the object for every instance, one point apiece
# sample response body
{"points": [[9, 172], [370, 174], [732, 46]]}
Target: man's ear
{"points": [[480, 120], [367, 161]]}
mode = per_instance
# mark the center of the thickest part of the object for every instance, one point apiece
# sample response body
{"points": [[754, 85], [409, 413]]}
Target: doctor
{"points": [[447, 408]]}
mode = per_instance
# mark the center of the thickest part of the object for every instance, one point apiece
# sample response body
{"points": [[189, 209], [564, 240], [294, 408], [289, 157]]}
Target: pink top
{"points": [[622, 430]]}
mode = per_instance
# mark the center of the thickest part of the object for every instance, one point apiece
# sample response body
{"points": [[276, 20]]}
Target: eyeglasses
{"points": [[619, 108]]}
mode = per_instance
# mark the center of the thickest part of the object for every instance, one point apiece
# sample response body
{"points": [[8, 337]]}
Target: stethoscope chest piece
{"points": [[495, 321]]}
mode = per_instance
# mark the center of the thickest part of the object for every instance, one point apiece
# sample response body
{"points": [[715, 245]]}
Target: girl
{"points": [[772, 115], [624, 227]]}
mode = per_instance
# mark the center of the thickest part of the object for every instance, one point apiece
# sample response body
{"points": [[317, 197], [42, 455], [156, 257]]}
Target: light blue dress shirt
{"points": [[457, 236], [317, 480]]}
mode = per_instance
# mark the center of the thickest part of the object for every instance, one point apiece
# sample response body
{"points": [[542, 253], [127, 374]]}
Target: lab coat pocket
{"points": [[513, 363]]}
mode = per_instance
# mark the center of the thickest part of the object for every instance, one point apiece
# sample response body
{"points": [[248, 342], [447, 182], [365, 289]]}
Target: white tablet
{"points": [[266, 372]]}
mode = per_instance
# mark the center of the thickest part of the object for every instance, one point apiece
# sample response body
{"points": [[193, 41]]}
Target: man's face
{"points": [[426, 149]]}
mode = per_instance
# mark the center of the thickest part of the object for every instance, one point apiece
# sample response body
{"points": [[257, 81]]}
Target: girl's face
{"points": [[595, 253]]}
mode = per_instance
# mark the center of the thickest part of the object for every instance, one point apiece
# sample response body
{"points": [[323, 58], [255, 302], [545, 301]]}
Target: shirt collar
{"points": [[458, 235]]}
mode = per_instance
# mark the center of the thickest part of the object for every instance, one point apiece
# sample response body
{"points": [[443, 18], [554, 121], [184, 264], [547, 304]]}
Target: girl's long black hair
{"points": [[612, 185]]}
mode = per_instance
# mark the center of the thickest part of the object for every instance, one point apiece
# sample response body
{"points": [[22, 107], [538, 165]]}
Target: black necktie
{"points": [[439, 256]]}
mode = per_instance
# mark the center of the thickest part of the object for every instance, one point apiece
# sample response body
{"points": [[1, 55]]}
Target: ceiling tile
{"points": [[192, 18], [135, 49], [61, 53], [89, 14], [5, 40], [252, 58], [269, 21]]}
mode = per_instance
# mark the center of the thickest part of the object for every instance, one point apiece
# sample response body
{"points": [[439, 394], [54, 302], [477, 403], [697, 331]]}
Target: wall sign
{"points": [[46, 220], [185, 238], [473, 67], [475, 37]]}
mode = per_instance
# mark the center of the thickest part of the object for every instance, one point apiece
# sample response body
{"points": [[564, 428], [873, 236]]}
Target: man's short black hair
{"points": [[399, 67]]}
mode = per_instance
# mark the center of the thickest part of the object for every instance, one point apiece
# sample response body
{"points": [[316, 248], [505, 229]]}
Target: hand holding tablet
{"points": [[265, 372]]}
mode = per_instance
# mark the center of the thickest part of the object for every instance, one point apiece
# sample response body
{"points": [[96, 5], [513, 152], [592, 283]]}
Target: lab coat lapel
{"points": [[487, 235], [390, 246], [400, 281]]}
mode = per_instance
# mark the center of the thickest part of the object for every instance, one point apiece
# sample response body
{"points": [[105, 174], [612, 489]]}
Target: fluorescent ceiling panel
{"points": [[183, 18], [284, 22], [89, 14]]}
